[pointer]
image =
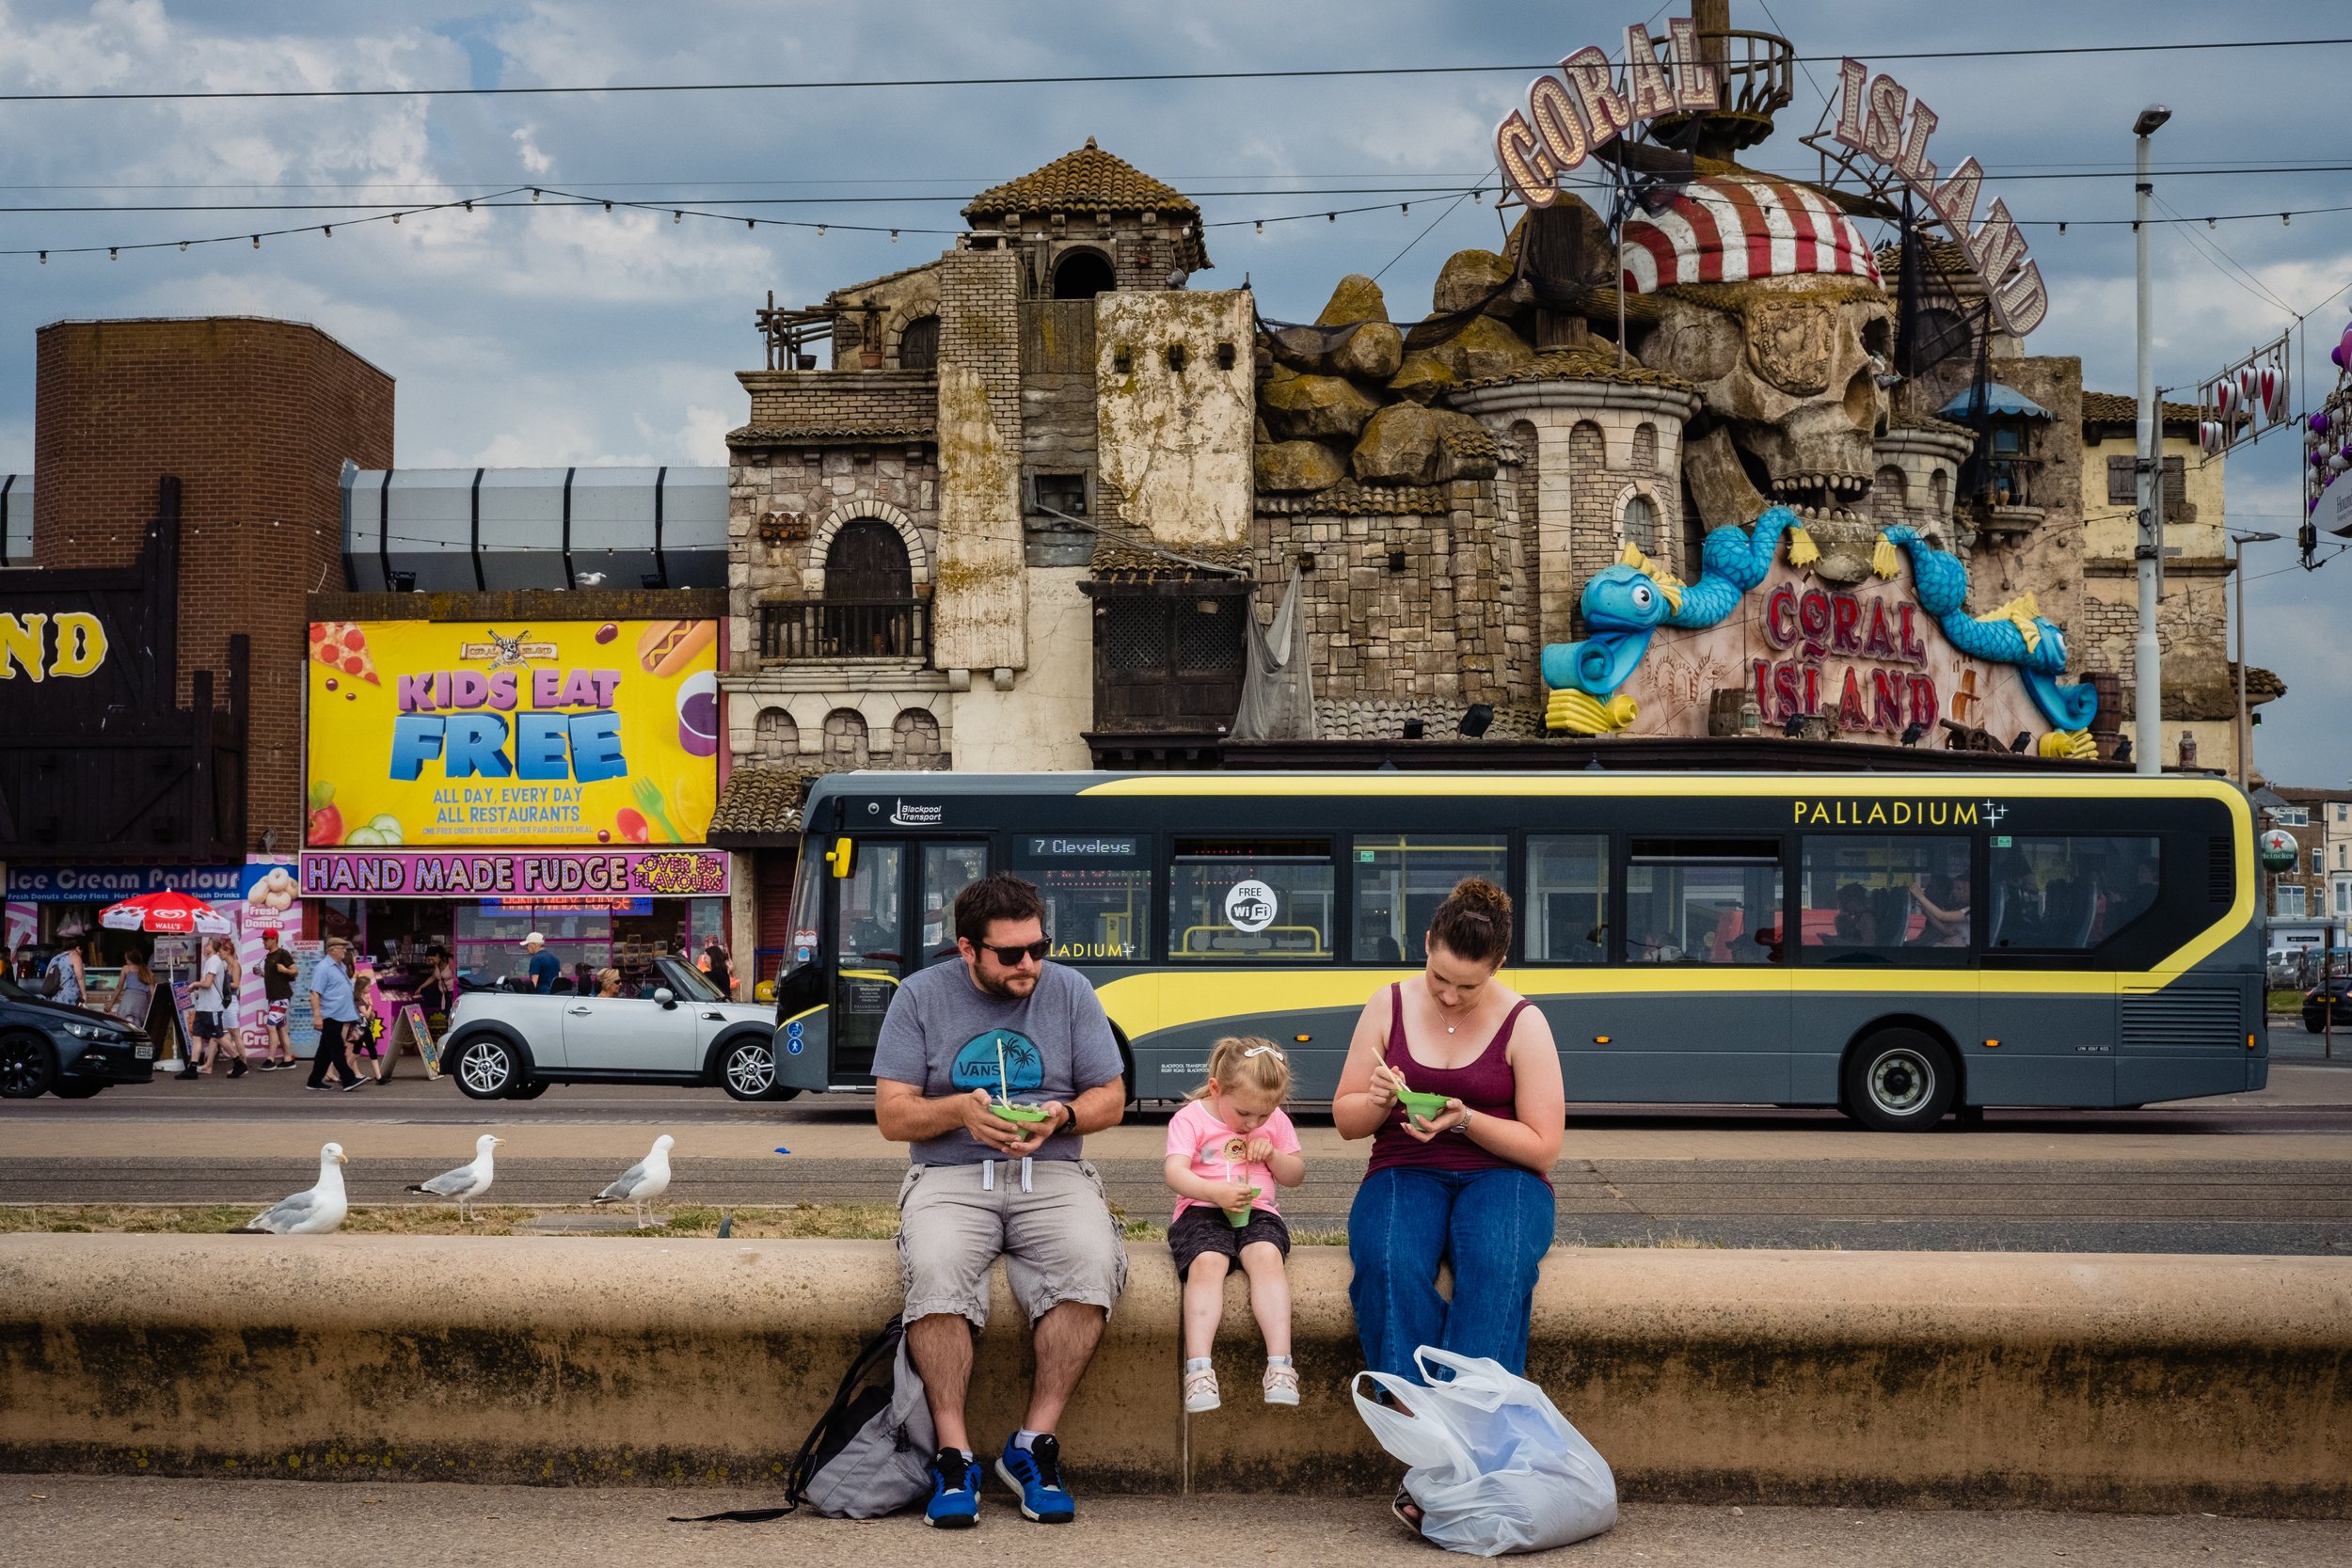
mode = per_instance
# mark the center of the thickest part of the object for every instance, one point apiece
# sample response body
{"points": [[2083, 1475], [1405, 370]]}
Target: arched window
{"points": [[914, 739], [1639, 524], [777, 738], [1939, 495], [845, 738], [919, 344], [1082, 274], [867, 562], [1645, 448]]}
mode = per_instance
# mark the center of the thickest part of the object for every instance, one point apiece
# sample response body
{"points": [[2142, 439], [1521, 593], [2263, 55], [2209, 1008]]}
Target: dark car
{"points": [[49, 1045], [2316, 1001]]}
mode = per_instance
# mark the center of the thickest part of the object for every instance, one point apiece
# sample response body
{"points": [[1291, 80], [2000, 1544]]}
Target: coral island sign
{"points": [[1572, 116], [1878, 663]]}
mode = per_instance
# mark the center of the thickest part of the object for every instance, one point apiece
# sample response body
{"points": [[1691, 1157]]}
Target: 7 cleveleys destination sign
{"points": [[1573, 114]]}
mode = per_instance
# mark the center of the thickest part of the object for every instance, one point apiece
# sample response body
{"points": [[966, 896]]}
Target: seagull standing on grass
{"points": [[644, 1181], [466, 1182], [310, 1213]]}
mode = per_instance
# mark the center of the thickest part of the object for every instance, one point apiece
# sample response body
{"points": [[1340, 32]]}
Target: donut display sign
{"points": [[443, 732]]}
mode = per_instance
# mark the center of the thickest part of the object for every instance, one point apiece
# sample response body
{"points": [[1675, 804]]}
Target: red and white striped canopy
{"points": [[1724, 228]]}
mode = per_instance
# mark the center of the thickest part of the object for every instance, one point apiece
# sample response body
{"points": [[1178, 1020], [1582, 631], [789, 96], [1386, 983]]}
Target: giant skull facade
{"points": [[1786, 335]]}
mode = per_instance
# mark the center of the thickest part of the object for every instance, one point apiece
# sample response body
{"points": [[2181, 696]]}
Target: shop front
{"points": [[597, 910], [473, 781]]}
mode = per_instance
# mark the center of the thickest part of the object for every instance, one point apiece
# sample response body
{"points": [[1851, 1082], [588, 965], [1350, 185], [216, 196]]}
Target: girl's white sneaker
{"points": [[1281, 1384], [1200, 1391]]}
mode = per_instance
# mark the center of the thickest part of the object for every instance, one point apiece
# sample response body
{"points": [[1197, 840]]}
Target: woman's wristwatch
{"points": [[1463, 1125]]}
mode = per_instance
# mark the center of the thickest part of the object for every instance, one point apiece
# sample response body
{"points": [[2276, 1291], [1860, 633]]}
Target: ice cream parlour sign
{"points": [[1889, 661], [1880, 136]]}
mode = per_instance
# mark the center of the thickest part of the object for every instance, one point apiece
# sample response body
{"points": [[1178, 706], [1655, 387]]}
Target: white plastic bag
{"points": [[1494, 1464]]}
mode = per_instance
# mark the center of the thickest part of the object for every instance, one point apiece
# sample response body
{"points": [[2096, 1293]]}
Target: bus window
{"points": [[1401, 880], [1251, 899], [947, 870], [1884, 899], [1567, 911], [2072, 891], [1098, 893], [1698, 901]]}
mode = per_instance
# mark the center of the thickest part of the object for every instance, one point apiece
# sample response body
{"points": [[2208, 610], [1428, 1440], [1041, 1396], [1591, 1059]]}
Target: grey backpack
{"points": [[870, 1452]]}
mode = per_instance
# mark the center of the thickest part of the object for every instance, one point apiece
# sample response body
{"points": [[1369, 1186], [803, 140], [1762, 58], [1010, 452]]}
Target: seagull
{"points": [[307, 1213], [644, 1181], [467, 1181]]}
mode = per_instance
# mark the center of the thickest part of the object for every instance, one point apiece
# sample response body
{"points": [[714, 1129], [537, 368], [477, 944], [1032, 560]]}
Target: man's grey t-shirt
{"points": [[942, 1035]]}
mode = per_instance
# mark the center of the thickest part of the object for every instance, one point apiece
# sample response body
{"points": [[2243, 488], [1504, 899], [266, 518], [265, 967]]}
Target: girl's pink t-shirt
{"points": [[1196, 1134]]}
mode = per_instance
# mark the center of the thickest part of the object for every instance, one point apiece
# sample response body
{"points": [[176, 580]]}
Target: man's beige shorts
{"points": [[1058, 1239]]}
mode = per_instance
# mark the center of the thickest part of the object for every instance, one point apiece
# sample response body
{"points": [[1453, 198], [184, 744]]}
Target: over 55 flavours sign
{"points": [[582, 733], [1571, 115]]}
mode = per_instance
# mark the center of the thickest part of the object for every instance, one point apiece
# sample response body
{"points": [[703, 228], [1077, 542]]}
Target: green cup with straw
{"points": [[1004, 1106]]}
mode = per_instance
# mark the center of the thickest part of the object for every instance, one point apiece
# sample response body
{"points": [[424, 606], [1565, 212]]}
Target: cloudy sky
{"points": [[547, 335]]}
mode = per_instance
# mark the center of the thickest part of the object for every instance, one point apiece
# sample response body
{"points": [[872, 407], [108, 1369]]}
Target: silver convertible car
{"points": [[511, 1045]]}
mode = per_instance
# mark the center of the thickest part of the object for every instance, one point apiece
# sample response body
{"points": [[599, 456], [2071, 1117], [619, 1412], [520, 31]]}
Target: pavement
{"points": [[86, 1522], [2266, 1172]]}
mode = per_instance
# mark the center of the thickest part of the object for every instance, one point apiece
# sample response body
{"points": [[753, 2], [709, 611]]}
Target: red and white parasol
{"points": [[169, 913]]}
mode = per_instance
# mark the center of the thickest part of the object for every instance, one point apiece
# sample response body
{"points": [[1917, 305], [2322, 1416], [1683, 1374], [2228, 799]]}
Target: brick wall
{"points": [[841, 400], [1437, 629], [256, 418]]}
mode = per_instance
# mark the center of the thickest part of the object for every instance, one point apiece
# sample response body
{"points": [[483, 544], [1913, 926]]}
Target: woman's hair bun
{"points": [[1482, 894], [1474, 922]]}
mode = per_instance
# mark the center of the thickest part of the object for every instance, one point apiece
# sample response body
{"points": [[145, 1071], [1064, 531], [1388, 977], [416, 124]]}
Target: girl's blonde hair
{"points": [[1247, 1062]]}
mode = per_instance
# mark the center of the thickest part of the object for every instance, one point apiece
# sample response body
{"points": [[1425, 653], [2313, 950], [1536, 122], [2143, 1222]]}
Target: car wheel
{"points": [[2312, 1025], [529, 1088], [27, 1067], [486, 1068], [747, 1069], [67, 1089], [1899, 1080]]}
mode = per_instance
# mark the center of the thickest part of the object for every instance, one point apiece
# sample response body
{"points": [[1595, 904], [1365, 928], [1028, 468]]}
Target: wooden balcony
{"points": [[805, 629]]}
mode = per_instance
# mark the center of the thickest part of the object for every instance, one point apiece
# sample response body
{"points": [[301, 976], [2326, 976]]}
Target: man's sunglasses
{"points": [[1010, 956]]}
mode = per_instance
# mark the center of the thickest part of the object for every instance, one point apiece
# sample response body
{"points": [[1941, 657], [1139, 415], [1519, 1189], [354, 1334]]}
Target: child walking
{"points": [[1226, 1150]]}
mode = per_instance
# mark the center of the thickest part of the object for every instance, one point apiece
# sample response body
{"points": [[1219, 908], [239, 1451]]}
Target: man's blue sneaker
{"points": [[955, 1492], [1034, 1472]]}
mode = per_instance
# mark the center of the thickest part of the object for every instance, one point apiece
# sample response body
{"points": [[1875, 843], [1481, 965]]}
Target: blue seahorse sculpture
{"points": [[2017, 633]]}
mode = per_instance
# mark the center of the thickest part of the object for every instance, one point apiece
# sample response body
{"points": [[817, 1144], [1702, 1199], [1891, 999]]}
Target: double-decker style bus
{"points": [[1900, 946]]}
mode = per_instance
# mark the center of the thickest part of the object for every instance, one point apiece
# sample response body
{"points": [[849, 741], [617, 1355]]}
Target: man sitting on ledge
{"points": [[1002, 1030]]}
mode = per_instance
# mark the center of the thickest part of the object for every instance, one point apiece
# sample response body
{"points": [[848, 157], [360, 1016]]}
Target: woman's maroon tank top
{"points": [[1487, 1086]]}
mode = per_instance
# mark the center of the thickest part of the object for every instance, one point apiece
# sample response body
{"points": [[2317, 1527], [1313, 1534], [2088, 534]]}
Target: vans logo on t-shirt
{"points": [[975, 1062]]}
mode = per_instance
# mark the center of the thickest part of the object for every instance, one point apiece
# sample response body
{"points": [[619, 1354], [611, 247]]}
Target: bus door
{"points": [[1704, 1014], [892, 915], [2054, 899]]}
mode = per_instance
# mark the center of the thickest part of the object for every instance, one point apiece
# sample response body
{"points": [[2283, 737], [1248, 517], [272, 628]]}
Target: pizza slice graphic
{"points": [[342, 646]]}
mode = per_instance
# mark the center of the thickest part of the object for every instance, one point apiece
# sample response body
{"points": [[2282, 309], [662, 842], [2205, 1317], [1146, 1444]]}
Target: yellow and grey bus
{"points": [[1900, 946]]}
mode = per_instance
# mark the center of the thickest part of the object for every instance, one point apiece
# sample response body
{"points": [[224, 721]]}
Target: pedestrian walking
{"points": [[64, 979], [333, 1012], [366, 1037], [136, 998], [277, 971], [715, 965], [210, 1005]]}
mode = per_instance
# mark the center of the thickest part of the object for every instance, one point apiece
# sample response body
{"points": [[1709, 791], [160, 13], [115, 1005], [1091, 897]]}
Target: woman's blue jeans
{"points": [[1493, 1226]]}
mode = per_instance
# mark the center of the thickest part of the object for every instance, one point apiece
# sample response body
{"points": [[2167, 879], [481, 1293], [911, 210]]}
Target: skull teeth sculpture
{"points": [[1769, 302]]}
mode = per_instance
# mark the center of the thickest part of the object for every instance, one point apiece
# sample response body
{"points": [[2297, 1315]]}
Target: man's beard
{"points": [[1011, 987]]}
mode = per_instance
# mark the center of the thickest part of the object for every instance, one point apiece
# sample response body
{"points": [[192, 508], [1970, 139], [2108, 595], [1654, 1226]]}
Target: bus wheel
{"points": [[1899, 1080]]}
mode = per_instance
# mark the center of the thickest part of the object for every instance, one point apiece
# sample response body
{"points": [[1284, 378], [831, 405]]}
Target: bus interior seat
{"points": [[1386, 951]]}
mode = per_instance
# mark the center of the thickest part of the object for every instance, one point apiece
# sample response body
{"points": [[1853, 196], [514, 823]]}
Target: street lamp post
{"points": [[2241, 538], [2147, 654]]}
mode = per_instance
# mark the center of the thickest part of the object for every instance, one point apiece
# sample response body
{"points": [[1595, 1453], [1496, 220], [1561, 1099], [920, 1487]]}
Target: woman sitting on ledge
{"points": [[1466, 1184]]}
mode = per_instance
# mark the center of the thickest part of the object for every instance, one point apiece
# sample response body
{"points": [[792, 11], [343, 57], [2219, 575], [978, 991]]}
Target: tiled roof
{"points": [[1132, 559], [832, 434], [1593, 363], [1945, 255], [1383, 719], [761, 801], [1089, 180], [2117, 408], [1349, 498], [1930, 423]]}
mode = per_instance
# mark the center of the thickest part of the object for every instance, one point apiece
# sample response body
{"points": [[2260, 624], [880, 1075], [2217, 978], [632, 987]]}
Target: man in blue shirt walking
{"points": [[334, 1011], [545, 966]]}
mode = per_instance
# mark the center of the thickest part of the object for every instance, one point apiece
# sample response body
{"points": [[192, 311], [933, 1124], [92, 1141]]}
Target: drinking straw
{"points": [[1004, 1091]]}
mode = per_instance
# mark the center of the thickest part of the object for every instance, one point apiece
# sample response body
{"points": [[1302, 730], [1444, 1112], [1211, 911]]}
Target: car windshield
{"points": [[690, 983]]}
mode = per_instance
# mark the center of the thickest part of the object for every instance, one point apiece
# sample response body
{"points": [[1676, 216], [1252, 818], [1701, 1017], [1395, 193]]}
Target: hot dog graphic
{"points": [[668, 647]]}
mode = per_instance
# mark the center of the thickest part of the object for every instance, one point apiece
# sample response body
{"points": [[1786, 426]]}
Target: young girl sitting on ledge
{"points": [[1226, 1150]]}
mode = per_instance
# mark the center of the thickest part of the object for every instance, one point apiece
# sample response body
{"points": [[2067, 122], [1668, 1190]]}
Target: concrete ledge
{"points": [[2139, 1382]]}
